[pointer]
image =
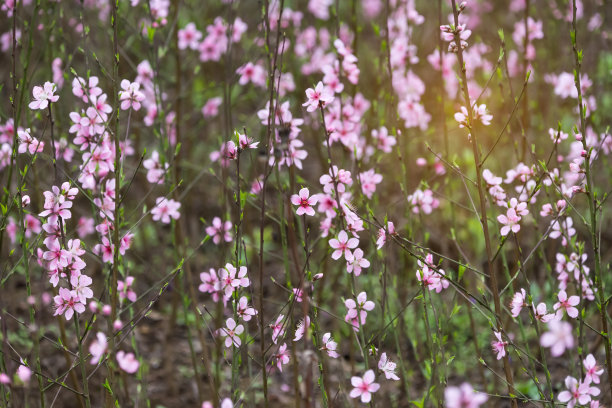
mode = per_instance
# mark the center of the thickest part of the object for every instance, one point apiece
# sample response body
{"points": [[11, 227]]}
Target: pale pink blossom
{"points": [[387, 367], [499, 345], [127, 362], [364, 386], [329, 345], [165, 209], [342, 245], [231, 333], [43, 95], [592, 370], [577, 392], [319, 96], [463, 396], [566, 304], [558, 337], [98, 347], [305, 202]]}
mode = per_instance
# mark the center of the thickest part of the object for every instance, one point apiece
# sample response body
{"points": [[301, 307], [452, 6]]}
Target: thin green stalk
{"points": [[593, 203], [483, 204], [85, 382]]}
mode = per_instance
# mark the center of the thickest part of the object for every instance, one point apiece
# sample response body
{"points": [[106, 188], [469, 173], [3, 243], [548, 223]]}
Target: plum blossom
{"points": [[98, 347], [382, 234], [541, 314], [358, 310], [211, 107], [282, 357], [463, 396], [558, 338], [231, 333], [364, 386], [355, 261], [277, 328], [230, 278], [510, 222], [67, 302], [423, 201], [165, 209], [43, 95], [518, 302], [28, 143], [220, 230], [499, 345], [189, 37], [305, 202], [301, 328], [577, 392], [342, 245], [155, 170], [244, 310], [592, 370], [566, 304], [319, 96], [387, 367], [329, 345], [127, 362], [130, 95], [125, 289]]}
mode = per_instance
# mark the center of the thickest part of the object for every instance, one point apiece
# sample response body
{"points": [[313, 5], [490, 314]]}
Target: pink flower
{"points": [[305, 202], [211, 107], [423, 201], [329, 345], [220, 231], [66, 303], [355, 261], [189, 37], [499, 346], [510, 222], [387, 367], [24, 373], [320, 95], [369, 179], [541, 314], [282, 357], [518, 302], [358, 311], [230, 278], [4, 379], [364, 386], [558, 338], [130, 95], [28, 143], [97, 348], [127, 362], [277, 328], [80, 286], [244, 310], [105, 250], [43, 95], [301, 328], [165, 209], [342, 245], [463, 397], [231, 333], [254, 73], [125, 289], [593, 371], [577, 392], [566, 304], [382, 234]]}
